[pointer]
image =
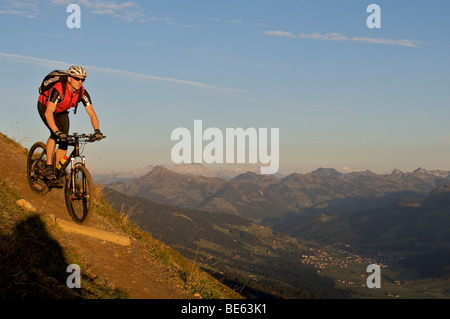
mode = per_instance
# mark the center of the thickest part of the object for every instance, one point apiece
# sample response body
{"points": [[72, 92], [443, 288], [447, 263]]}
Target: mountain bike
{"points": [[78, 185]]}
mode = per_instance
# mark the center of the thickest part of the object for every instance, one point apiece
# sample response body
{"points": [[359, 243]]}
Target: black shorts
{"points": [[61, 121]]}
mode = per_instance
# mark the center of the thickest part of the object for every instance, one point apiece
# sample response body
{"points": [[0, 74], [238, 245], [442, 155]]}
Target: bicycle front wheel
{"points": [[37, 158], [79, 194]]}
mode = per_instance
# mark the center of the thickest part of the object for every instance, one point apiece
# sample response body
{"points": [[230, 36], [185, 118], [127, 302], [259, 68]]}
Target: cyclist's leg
{"points": [[50, 149], [51, 142], [63, 124]]}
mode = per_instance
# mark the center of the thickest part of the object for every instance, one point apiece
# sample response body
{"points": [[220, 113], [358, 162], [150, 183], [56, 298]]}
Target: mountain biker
{"points": [[54, 112]]}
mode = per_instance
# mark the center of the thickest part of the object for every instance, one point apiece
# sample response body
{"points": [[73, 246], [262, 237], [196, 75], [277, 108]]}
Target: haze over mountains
{"points": [[186, 169]]}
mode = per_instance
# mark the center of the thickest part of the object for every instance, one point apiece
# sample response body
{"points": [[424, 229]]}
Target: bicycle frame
{"points": [[75, 142]]}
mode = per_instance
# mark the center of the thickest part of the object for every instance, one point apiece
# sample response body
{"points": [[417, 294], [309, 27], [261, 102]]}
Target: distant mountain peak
{"points": [[397, 172], [194, 169], [160, 171], [256, 178], [245, 176], [327, 172], [421, 170]]}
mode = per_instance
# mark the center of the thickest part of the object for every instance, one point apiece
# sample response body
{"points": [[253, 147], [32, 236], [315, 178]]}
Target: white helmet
{"points": [[76, 70]]}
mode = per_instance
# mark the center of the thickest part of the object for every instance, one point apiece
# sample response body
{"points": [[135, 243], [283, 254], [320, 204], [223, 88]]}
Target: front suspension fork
{"points": [[72, 173]]}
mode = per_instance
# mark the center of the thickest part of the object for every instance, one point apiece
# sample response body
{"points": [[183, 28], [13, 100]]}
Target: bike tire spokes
{"points": [[78, 193], [37, 158]]}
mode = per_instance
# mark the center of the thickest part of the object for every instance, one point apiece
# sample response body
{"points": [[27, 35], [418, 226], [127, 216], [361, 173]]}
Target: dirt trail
{"points": [[126, 267]]}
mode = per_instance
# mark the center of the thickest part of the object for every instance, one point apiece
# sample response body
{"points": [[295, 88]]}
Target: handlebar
{"points": [[84, 138]]}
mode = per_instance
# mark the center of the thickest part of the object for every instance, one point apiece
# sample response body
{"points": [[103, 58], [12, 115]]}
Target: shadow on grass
{"points": [[32, 263]]}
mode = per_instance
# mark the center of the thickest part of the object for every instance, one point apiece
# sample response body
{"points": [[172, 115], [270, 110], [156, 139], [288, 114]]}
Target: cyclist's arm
{"points": [[86, 100], [94, 119]]}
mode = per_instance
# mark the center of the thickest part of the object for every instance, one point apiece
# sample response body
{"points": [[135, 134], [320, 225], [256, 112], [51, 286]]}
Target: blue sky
{"points": [[342, 95]]}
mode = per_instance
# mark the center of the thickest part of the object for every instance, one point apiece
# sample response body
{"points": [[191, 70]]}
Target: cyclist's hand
{"points": [[98, 135], [62, 137]]}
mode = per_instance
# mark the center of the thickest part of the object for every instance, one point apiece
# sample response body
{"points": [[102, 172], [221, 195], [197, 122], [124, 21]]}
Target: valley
{"points": [[302, 236]]}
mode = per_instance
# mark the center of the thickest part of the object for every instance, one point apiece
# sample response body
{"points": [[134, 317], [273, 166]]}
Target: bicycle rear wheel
{"points": [[79, 194], [37, 158]]}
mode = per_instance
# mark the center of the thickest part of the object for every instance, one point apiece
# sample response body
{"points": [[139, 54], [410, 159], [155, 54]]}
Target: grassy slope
{"points": [[194, 279], [31, 258], [31, 255]]}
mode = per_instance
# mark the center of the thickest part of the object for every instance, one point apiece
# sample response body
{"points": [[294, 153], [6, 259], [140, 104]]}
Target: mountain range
{"points": [[407, 224], [193, 169], [257, 226], [266, 198]]}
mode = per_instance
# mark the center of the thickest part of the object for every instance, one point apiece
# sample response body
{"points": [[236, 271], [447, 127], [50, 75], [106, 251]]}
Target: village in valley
{"points": [[347, 269], [322, 259]]}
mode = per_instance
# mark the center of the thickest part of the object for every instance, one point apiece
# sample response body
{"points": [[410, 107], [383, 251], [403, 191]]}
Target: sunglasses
{"points": [[78, 79]]}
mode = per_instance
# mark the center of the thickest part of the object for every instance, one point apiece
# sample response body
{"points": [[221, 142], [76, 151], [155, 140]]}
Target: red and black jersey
{"points": [[64, 100]]}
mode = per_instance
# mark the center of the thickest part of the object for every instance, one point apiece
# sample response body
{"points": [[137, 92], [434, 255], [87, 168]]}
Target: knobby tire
{"points": [[35, 160], [79, 200]]}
